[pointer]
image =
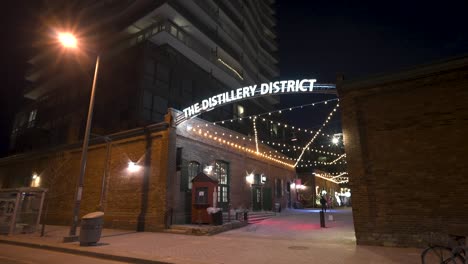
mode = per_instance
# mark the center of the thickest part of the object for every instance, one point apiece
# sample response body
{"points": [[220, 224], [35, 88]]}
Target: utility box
{"points": [[91, 228], [204, 190]]}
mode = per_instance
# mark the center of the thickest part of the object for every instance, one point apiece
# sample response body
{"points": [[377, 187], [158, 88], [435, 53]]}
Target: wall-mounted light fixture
{"points": [[36, 180], [250, 178], [133, 167]]}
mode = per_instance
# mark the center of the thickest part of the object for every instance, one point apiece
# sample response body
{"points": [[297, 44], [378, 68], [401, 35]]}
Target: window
{"points": [[173, 31], [221, 172], [32, 118], [154, 107], [240, 110], [178, 159], [201, 195], [147, 105], [36, 180], [188, 171], [223, 194], [274, 130], [193, 170], [163, 72]]}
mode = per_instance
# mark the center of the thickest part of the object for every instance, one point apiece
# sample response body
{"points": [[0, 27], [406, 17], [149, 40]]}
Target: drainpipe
{"points": [[105, 176]]}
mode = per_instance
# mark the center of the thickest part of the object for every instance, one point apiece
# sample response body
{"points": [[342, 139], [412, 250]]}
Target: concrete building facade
{"points": [[155, 55]]}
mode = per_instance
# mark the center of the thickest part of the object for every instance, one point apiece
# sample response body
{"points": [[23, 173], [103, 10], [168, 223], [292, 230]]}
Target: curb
{"points": [[83, 252]]}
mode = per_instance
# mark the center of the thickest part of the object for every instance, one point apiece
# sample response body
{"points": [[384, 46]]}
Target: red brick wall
{"points": [[405, 142], [127, 200], [144, 196]]}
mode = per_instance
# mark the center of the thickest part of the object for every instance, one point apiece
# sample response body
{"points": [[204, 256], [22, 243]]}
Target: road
{"points": [[23, 255]]}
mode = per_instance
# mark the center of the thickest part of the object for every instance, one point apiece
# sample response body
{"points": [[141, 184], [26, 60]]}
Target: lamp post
{"points": [[69, 41]]}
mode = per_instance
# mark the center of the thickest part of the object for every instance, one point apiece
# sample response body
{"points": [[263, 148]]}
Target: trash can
{"points": [[218, 218], [91, 228], [278, 207]]}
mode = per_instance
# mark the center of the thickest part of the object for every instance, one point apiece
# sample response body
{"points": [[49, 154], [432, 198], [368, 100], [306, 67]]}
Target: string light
{"points": [[340, 157], [318, 132], [339, 175], [287, 147], [329, 178], [283, 146], [255, 131], [276, 111], [315, 163], [237, 146], [294, 148]]}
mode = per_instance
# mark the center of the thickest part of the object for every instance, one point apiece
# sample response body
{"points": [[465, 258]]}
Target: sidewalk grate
{"points": [[298, 248]]}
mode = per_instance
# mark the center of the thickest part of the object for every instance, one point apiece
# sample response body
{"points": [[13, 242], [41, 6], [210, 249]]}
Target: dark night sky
{"points": [[317, 39]]}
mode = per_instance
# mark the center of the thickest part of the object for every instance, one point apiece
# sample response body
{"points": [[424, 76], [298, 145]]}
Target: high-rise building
{"points": [[155, 54]]}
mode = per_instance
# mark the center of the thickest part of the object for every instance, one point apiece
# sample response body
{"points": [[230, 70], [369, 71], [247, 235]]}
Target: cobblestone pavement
{"points": [[293, 236]]}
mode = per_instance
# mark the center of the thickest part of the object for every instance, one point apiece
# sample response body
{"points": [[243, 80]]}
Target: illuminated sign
{"points": [[271, 88]]}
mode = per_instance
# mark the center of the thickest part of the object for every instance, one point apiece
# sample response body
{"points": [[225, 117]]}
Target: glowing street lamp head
{"points": [[335, 140], [67, 40]]}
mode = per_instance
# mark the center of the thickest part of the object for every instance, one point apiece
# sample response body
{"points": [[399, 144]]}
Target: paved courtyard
{"points": [[303, 225], [294, 236]]}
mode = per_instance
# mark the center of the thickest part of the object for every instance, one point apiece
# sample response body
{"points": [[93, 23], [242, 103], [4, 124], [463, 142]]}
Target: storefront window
{"points": [[221, 173], [193, 170]]}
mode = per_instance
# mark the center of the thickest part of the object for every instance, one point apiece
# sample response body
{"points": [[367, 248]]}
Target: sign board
{"points": [[270, 88]]}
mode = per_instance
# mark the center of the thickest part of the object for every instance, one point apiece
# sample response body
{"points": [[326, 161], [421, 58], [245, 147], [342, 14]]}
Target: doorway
{"points": [[256, 198]]}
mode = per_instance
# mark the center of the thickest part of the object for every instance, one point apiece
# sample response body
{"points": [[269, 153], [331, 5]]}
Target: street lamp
{"points": [[335, 140], [69, 41]]}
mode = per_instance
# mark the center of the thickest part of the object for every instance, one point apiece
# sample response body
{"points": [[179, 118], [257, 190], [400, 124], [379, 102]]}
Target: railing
{"points": [[182, 36], [210, 10], [206, 30], [236, 18]]}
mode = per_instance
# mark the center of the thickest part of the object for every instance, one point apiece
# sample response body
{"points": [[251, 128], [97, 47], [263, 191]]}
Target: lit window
{"points": [[240, 110], [193, 170], [173, 31], [221, 173], [32, 118]]}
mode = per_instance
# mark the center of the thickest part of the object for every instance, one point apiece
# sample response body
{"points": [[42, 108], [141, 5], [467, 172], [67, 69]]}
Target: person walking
{"points": [[329, 201], [323, 202]]}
